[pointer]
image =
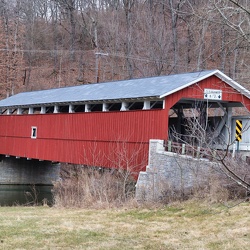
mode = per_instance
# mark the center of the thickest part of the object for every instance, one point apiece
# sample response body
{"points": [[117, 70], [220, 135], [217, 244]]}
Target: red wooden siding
{"points": [[196, 92], [97, 138], [110, 139]]}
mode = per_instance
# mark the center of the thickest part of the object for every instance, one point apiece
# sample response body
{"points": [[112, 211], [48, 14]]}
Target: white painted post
{"points": [[87, 108], [43, 110], [71, 108], [8, 111], [214, 153], [56, 109], [31, 111], [228, 131], [198, 152], [234, 148], [146, 105], [183, 149], [105, 107], [124, 106], [163, 106], [19, 111], [169, 146]]}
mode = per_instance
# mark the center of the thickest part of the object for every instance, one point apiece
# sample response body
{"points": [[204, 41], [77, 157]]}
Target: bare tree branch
{"points": [[240, 6]]}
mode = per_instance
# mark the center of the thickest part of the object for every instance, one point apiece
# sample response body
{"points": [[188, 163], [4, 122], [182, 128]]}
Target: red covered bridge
{"points": [[110, 124]]}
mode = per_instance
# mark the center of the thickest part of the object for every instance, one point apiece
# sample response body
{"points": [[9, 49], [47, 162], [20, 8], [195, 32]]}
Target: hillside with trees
{"points": [[55, 43]]}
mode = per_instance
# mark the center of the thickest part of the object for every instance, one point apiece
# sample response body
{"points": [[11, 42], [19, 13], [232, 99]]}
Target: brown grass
{"points": [[84, 187], [93, 188], [189, 225]]}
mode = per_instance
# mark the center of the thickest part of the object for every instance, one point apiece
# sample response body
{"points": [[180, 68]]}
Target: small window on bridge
{"points": [[36, 110], [135, 105], [114, 106], [63, 109], [49, 110], [4, 112], [25, 111], [33, 132], [96, 107], [156, 105], [79, 108]]}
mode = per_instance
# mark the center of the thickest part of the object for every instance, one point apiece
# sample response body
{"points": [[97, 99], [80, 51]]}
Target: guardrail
{"points": [[204, 153], [186, 149]]}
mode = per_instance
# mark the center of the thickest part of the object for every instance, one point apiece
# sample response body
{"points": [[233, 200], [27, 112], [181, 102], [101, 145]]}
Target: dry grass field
{"points": [[189, 225]]}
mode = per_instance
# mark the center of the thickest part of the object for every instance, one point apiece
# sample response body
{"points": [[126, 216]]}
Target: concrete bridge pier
{"points": [[22, 171]]}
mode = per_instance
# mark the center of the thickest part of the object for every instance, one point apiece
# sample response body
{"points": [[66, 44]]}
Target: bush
{"points": [[92, 187]]}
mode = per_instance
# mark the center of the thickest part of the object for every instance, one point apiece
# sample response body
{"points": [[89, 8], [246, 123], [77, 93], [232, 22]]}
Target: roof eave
{"points": [[233, 83], [220, 75], [35, 105], [189, 84]]}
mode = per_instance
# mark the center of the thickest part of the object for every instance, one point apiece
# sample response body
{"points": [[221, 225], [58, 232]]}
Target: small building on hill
{"points": [[110, 124]]}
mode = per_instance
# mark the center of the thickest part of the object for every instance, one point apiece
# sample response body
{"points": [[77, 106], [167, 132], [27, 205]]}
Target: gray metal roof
{"points": [[156, 87]]}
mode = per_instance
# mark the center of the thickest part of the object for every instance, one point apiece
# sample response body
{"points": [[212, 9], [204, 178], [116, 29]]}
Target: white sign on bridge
{"points": [[213, 94]]}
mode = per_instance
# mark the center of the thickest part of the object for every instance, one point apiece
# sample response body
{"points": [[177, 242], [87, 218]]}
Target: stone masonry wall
{"points": [[169, 174]]}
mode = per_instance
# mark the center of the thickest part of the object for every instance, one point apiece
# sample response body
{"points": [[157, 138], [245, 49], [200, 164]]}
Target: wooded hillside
{"points": [[55, 43]]}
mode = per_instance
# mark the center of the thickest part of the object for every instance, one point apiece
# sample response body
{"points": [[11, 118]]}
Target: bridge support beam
{"points": [[21, 171]]}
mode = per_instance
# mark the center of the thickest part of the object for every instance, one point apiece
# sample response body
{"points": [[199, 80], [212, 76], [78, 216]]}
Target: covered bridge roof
{"points": [[151, 87]]}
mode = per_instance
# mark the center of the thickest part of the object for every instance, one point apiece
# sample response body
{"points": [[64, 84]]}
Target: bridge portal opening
{"points": [[203, 122]]}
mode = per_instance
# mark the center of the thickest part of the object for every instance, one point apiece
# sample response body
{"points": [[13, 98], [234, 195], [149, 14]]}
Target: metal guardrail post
{"points": [[214, 153], [169, 146], [183, 149], [234, 148], [198, 152]]}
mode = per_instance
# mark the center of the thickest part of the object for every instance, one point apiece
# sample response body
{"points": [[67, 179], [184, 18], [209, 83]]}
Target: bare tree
{"points": [[11, 54], [142, 38], [128, 7], [234, 18]]}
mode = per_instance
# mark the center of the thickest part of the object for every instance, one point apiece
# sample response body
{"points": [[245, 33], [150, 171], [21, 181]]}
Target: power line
{"points": [[48, 51], [186, 66], [111, 54]]}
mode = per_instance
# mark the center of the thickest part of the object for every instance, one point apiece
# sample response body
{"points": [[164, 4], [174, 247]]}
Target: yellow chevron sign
{"points": [[238, 134]]}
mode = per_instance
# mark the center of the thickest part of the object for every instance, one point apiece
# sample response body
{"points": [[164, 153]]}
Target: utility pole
{"points": [[98, 64]]}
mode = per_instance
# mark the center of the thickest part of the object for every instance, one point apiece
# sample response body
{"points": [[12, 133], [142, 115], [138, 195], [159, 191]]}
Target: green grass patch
{"points": [[180, 226]]}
